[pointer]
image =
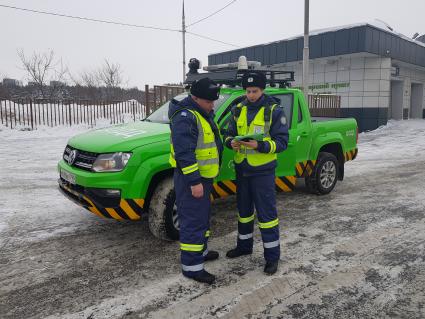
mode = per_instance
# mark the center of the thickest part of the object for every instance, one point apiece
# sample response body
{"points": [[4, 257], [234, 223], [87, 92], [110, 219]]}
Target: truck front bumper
{"points": [[100, 203]]}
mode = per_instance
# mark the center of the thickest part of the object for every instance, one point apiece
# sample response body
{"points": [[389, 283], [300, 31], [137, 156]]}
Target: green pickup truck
{"points": [[122, 171]]}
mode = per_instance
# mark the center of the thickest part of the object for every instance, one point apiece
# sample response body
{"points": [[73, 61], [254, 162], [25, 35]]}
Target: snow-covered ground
{"points": [[391, 145], [356, 253]]}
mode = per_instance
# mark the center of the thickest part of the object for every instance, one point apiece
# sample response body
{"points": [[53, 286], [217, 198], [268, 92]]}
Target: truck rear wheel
{"points": [[163, 218], [324, 176]]}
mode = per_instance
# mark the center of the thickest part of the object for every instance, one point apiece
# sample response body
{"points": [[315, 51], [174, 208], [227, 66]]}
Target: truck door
{"points": [[286, 159], [303, 133]]}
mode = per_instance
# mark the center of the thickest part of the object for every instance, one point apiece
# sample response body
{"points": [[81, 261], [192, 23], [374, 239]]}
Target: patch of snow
{"points": [[399, 141]]}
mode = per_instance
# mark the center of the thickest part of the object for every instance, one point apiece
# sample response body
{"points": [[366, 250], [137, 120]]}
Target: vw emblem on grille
{"points": [[72, 156]]}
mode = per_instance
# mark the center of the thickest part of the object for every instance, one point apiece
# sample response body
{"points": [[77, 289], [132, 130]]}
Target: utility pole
{"points": [[184, 44], [306, 52]]}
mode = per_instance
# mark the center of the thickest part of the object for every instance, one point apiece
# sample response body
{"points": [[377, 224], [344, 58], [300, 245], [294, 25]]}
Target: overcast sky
{"points": [[155, 57]]}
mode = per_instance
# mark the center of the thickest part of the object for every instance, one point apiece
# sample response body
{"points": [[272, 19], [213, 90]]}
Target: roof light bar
{"points": [[232, 73]]}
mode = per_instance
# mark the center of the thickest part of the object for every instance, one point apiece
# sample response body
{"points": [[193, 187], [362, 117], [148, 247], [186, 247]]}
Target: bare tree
{"points": [[103, 82], [110, 74], [38, 67], [41, 69], [58, 79], [90, 79]]}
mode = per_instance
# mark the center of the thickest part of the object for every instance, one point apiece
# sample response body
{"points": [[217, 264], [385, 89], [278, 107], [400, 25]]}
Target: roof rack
{"points": [[234, 77]]}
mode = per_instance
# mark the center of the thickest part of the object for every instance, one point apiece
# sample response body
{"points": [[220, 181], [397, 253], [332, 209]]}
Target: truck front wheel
{"points": [[324, 176], [163, 219]]}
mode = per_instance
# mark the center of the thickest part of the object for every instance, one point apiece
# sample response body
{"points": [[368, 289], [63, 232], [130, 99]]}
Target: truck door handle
{"points": [[304, 134]]}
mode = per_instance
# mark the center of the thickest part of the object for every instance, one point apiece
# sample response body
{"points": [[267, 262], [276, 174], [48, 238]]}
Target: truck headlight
{"points": [[113, 162]]}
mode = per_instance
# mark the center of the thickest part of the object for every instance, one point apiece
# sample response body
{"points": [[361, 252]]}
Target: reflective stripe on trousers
{"points": [[258, 192], [193, 267], [194, 215], [246, 236], [271, 244]]}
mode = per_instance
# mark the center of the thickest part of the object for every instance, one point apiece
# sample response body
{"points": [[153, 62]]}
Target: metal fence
{"points": [[33, 113], [160, 94], [324, 105], [30, 113]]}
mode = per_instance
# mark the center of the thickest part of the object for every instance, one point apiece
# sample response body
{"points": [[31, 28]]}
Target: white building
{"points": [[378, 73]]}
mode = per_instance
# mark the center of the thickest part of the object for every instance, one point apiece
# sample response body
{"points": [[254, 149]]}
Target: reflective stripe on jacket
{"points": [[257, 126], [206, 152]]}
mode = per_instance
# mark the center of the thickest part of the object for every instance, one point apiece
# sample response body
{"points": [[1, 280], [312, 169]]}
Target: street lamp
{"points": [[306, 50]]}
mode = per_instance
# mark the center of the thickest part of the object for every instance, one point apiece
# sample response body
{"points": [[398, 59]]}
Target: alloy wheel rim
{"points": [[328, 174]]}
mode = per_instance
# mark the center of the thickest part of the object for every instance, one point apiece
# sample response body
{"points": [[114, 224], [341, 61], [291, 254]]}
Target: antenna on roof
{"points": [[242, 63], [232, 73]]}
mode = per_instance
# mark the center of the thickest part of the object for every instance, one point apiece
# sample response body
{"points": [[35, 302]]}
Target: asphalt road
{"points": [[356, 253]]}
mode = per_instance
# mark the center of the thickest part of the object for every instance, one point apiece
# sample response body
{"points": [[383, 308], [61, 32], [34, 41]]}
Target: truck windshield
{"points": [[161, 114]]}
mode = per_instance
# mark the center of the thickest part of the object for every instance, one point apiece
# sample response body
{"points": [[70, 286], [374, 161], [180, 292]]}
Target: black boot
{"points": [[236, 252], [204, 277], [211, 255], [271, 267]]}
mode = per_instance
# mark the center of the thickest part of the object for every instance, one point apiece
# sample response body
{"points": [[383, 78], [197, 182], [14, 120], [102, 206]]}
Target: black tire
{"points": [[324, 176], [163, 219]]}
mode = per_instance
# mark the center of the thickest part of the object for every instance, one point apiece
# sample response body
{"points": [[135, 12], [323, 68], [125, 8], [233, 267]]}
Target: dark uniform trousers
{"points": [[194, 219], [258, 191]]}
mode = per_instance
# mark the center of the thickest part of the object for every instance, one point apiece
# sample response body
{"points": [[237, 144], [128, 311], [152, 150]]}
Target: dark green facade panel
{"points": [[328, 44], [350, 40]]}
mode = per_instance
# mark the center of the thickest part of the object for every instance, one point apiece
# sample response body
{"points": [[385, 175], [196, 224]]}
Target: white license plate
{"points": [[69, 177]]}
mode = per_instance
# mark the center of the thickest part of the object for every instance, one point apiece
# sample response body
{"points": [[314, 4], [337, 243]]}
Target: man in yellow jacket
{"points": [[255, 163], [196, 150]]}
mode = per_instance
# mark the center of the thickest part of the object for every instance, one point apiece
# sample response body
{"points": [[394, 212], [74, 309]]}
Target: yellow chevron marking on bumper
{"points": [[220, 191], [128, 210], [299, 169], [93, 208], [95, 211], [282, 185], [308, 168], [291, 179], [140, 202], [231, 186], [113, 213]]}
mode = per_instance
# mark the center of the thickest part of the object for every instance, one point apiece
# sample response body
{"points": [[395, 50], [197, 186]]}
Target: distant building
{"points": [[378, 73], [11, 82], [57, 83]]}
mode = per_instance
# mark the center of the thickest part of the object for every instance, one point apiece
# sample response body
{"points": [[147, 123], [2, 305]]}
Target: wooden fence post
{"points": [[1, 111], [32, 118], [69, 114], [147, 111]]}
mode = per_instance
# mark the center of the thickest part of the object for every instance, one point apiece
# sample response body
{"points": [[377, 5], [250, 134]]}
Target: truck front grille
{"points": [[83, 160]]}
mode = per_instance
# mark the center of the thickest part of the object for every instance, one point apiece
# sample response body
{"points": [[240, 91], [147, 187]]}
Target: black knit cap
{"points": [[206, 89], [254, 79]]}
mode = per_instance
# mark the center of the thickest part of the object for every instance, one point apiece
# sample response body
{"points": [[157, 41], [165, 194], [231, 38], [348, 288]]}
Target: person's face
{"points": [[206, 105], [253, 93]]}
